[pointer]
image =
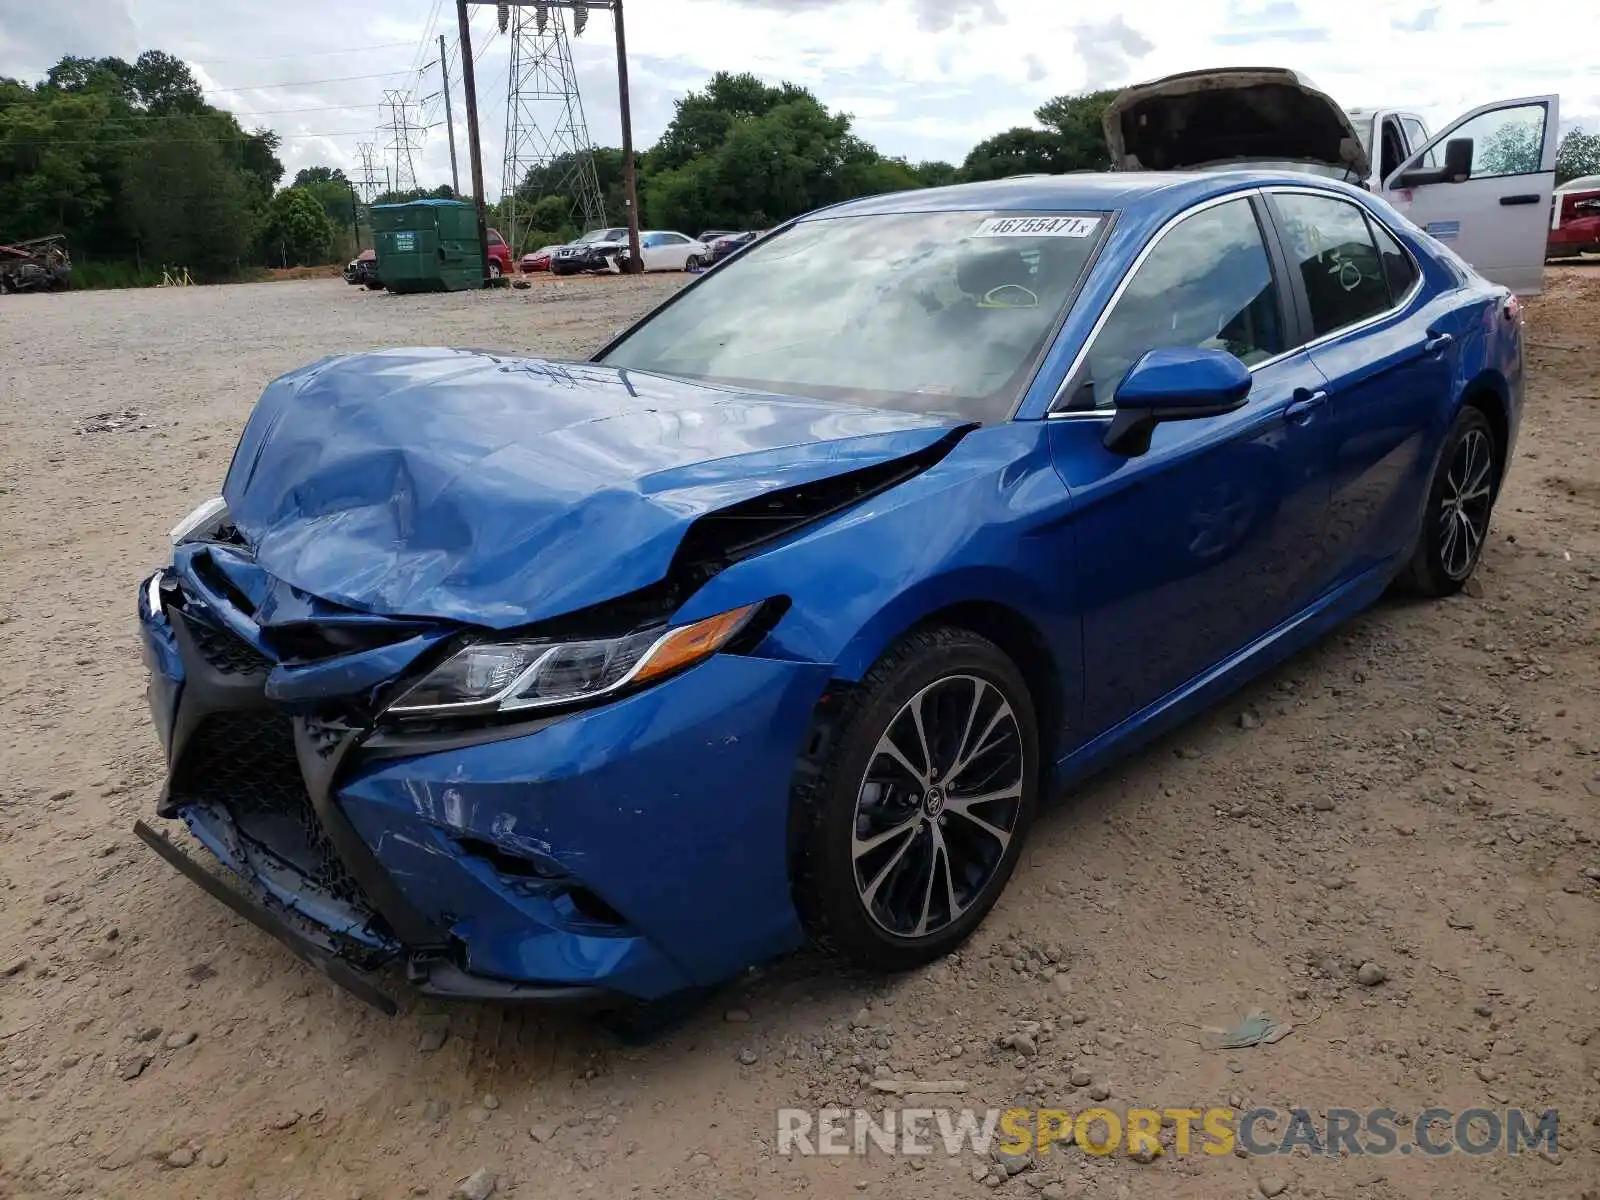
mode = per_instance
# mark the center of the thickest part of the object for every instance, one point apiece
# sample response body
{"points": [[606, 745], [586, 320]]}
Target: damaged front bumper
{"points": [[627, 851]]}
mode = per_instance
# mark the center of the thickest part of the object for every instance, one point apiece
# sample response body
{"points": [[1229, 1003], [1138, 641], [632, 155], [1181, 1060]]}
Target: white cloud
{"points": [[925, 78]]}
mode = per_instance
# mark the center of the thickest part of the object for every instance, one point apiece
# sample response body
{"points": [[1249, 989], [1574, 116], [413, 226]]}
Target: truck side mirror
{"points": [[1458, 160], [1457, 167]]}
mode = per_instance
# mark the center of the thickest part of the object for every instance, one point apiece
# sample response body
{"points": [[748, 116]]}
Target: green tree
{"points": [[703, 120], [1076, 120], [163, 84], [333, 191], [188, 205], [780, 153], [936, 174], [1019, 151], [309, 175], [1577, 155], [297, 231]]}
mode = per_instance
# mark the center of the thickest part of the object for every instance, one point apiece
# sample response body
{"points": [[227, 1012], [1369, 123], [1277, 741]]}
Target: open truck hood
{"points": [[1241, 115], [500, 491]]}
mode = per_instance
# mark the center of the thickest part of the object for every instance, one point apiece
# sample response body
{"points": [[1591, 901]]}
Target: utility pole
{"points": [[449, 118], [629, 174], [630, 183], [469, 88]]}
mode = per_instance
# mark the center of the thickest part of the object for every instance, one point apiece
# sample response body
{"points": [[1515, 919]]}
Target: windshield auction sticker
{"points": [[1072, 227]]}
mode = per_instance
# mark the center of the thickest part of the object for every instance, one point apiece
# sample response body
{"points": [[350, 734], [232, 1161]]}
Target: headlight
{"points": [[202, 522], [492, 677]]}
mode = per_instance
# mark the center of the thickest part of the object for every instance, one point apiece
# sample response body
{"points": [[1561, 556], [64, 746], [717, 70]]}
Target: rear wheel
{"points": [[918, 815], [1460, 505], [494, 268]]}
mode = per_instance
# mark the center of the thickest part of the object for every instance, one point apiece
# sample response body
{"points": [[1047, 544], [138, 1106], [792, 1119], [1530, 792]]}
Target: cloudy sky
{"points": [[923, 78]]}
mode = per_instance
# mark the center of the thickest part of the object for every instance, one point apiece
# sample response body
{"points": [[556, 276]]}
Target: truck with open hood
{"points": [[1482, 186]]}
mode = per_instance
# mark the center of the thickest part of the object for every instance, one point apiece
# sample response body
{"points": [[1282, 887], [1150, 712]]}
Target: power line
{"points": [[263, 87], [220, 139], [212, 62], [272, 112]]}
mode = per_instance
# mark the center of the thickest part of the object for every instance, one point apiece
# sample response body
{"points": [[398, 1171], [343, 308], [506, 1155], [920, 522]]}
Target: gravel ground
{"points": [[1418, 792]]}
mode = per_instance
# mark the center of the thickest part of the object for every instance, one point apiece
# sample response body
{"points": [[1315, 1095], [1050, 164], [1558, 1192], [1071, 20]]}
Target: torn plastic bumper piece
{"points": [[427, 976], [301, 946]]}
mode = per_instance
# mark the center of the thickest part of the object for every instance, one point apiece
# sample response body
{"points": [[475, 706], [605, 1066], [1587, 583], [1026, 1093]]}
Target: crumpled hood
{"points": [[1238, 115], [501, 491]]}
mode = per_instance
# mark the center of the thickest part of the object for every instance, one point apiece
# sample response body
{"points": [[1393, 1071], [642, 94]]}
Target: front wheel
{"points": [[915, 821], [494, 269], [694, 263], [1460, 503]]}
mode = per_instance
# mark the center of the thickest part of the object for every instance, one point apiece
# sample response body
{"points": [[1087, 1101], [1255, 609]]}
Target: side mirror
{"points": [[1175, 383], [1457, 167]]}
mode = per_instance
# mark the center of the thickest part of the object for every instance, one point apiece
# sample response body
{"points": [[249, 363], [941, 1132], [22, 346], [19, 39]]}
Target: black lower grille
{"points": [[245, 765], [228, 652]]}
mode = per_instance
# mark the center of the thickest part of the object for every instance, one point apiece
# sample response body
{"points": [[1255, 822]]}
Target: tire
{"points": [[693, 263], [374, 286], [494, 268], [861, 901], [1470, 463]]}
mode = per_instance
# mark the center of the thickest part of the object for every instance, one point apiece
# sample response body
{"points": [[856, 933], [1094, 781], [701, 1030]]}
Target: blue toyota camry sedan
{"points": [[775, 619]]}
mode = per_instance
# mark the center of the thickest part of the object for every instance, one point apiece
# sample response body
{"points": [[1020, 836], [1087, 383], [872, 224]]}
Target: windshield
{"points": [[603, 235], [931, 312], [1363, 127]]}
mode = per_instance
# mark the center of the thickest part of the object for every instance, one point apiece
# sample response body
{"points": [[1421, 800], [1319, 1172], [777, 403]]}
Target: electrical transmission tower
{"points": [[546, 133], [404, 139], [370, 180]]}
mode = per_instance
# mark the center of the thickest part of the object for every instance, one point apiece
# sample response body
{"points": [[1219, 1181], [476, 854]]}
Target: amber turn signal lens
{"points": [[686, 646]]}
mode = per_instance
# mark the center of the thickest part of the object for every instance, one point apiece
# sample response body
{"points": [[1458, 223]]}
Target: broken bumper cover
{"points": [[632, 850]]}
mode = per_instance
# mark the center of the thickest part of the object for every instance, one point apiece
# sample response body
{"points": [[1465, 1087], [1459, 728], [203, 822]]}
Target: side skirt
{"points": [[1226, 677]]}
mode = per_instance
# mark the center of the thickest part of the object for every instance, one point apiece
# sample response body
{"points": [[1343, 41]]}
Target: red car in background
{"points": [[538, 260], [499, 255], [1575, 223]]}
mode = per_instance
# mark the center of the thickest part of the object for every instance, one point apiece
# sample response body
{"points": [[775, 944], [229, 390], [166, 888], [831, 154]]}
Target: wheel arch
{"points": [[1006, 613], [1490, 394]]}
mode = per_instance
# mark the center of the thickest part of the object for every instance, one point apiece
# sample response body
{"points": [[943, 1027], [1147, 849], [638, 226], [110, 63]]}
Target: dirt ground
{"points": [[1420, 791]]}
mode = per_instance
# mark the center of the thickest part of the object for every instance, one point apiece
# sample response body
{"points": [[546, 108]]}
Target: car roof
{"points": [[1154, 194]]}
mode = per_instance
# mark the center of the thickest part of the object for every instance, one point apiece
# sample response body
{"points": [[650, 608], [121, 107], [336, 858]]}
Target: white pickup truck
{"points": [[1482, 186]]}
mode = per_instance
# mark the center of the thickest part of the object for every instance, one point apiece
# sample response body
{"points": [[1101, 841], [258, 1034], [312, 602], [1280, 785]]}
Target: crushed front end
{"points": [[577, 855]]}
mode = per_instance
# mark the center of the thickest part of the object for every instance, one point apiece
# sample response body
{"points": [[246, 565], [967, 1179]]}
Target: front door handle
{"points": [[1303, 405], [1438, 343], [1524, 198]]}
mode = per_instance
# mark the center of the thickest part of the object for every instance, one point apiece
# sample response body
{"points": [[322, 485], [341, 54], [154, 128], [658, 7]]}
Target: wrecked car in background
{"points": [[610, 679], [40, 265], [1482, 186]]}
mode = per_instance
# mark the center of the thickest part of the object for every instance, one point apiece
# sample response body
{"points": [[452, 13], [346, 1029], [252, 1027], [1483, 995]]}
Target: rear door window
{"points": [[1330, 244], [1398, 269], [1416, 139]]}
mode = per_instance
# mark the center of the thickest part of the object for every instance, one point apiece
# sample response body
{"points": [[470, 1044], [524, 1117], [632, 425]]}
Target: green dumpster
{"points": [[427, 246]]}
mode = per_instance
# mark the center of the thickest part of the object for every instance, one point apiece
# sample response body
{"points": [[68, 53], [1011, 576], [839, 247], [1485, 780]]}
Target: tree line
{"points": [[139, 172]]}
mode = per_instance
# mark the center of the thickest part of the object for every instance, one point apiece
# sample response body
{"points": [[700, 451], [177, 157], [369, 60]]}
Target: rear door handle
{"points": [[1524, 198], [1304, 404], [1438, 343]]}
